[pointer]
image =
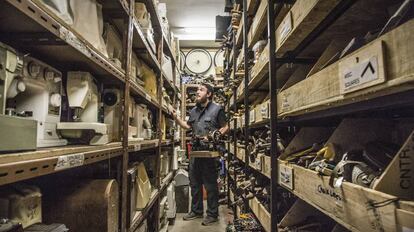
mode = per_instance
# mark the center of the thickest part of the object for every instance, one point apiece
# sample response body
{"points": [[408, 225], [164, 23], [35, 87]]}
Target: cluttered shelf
{"points": [[296, 28], [143, 48], [387, 76], [262, 165], [142, 214], [308, 168], [142, 144], [54, 39], [258, 209], [15, 167], [140, 91]]}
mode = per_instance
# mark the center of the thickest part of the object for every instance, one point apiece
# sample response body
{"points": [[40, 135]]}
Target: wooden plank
{"points": [[300, 22], [398, 177], [322, 90], [258, 25], [261, 213]]}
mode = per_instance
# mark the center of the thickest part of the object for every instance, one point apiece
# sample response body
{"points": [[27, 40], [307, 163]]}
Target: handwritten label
{"points": [[286, 176], [330, 192], [70, 161]]}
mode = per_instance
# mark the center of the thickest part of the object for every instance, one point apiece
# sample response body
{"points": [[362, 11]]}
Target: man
{"points": [[206, 116]]}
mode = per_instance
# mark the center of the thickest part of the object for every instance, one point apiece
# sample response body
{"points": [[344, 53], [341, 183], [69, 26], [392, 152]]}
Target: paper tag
{"points": [[286, 176], [286, 27], [148, 97], [359, 74], [70, 161], [362, 69], [137, 147]]}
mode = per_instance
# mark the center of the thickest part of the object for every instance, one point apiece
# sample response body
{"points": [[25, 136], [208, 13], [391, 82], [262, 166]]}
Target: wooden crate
{"points": [[300, 21], [349, 204], [394, 61], [261, 213], [266, 165], [259, 23], [262, 111], [261, 67]]}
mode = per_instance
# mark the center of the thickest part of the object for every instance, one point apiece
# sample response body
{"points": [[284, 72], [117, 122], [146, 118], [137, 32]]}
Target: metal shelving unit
{"points": [[267, 79]]}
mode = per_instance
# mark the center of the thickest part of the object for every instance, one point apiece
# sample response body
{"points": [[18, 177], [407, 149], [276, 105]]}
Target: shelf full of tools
{"points": [[326, 97], [86, 94]]}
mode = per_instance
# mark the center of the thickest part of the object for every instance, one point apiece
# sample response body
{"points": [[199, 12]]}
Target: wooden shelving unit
{"points": [[32, 28]]}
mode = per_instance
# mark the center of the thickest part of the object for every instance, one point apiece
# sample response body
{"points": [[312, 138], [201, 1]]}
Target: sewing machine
{"points": [[143, 121], [112, 112], [83, 99], [40, 100], [21, 132]]}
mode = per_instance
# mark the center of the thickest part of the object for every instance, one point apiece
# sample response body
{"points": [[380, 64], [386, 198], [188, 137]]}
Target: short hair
{"points": [[209, 88]]}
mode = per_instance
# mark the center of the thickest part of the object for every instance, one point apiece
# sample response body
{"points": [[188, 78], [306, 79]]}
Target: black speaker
{"points": [[222, 23]]}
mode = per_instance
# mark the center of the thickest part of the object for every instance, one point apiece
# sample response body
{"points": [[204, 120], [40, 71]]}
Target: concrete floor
{"points": [[195, 225]]}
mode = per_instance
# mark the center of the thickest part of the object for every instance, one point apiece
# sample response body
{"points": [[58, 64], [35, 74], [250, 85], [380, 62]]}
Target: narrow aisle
{"points": [[195, 225]]}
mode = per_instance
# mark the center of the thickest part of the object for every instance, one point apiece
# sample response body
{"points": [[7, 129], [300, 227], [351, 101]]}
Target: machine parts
{"points": [[18, 128], [21, 203]]}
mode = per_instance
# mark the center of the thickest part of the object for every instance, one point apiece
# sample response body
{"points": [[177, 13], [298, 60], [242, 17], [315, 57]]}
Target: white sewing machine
{"points": [[17, 133], [38, 96], [142, 121], [83, 99]]}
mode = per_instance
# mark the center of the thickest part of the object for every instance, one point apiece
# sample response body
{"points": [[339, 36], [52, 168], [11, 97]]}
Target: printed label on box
{"points": [[286, 176], [363, 69], [360, 74], [70, 161]]}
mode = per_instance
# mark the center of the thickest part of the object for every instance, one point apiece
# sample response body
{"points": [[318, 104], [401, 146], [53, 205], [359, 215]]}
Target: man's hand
{"points": [[174, 114], [173, 111], [224, 129]]}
